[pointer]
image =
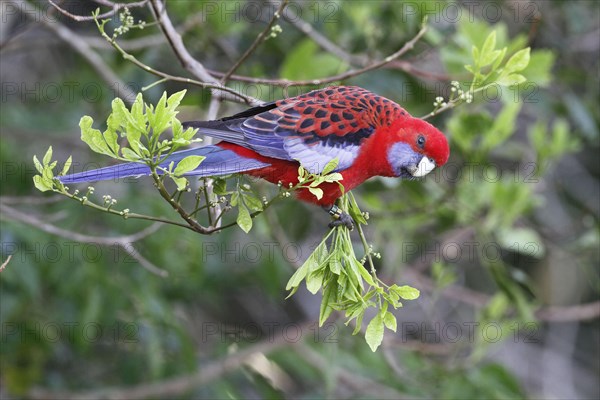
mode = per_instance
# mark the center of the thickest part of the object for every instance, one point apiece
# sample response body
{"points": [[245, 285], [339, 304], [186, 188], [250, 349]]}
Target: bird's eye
{"points": [[421, 141]]}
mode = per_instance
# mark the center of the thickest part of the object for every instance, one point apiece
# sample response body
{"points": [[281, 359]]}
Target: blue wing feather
{"points": [[310, 129], [218, 162]]}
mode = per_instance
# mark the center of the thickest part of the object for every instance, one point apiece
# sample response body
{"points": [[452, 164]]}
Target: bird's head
{"points": [[416, 148]]}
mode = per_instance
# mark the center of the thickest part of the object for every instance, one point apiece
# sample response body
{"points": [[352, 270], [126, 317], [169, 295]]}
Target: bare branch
{"points": [[5, 263], [325, 43], [259, 39], [125, 242], [115, 8], [190, 63], [14, 214], [334, 78], [579, 312]]}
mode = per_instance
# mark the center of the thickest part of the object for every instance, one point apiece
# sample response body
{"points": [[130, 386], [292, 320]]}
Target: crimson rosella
{"points": [[368, 134]]}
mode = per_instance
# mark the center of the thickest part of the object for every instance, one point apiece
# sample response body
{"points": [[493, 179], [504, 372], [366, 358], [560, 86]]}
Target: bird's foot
{"points": [[340, 218]]}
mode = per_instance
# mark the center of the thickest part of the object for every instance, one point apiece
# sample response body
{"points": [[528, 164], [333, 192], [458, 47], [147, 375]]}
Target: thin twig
{"points": [[297, 22], [115, 8], [579, 312], [259, 39], [5, 263], [28, 218], [162, 190], [122, 214], [190, 63], [234, 95], [334, 78], [145, 41], [125, 242]]}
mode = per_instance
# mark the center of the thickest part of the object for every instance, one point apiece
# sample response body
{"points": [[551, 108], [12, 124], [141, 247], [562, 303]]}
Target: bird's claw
{"points": [[340, 218], [343, 219]]}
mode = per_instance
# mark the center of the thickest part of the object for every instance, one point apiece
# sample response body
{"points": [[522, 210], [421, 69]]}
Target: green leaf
{"points": [[37, 164], [488, 55], [129, 154], [374, 333], [356, 268], [125, 118], [162, 115], [298, 276], [518, 61], [539, 69], [133, 137], [189, 133], [111, 138], [317, 192], [364, 273], [334, 177], [326, 309], [314, 281], [503, 126], [406, 292], [235, 199], [330, 166], [220, 186], [48, 156], [137, 111], [188, 164], [499, 59], [335, 266], [244, 220], [359, 318], [175, 99], [390, 321], [354, 210], [511, 80], [476, 54], [252, 202], [93, 137], [181, 182], [41, 184], [66, 166]]}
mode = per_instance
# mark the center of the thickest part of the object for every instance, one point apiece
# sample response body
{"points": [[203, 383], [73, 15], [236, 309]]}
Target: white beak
{"points": [[426, 165]]}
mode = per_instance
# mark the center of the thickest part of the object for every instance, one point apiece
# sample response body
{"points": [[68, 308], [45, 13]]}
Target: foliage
{"points": [[507, 227]]}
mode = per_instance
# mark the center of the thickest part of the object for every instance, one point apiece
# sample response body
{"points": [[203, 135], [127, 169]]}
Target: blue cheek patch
{"points": [[401, 156]]}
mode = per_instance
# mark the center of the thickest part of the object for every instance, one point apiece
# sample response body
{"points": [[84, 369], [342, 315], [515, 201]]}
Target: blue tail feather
{"points": [[218, 162]]}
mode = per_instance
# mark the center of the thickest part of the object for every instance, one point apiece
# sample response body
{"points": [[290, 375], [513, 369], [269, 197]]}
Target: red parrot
{"points": [[368, 134]]}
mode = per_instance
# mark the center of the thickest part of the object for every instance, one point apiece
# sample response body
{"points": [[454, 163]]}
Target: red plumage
{"points": [[335, 112], [368, 134]]}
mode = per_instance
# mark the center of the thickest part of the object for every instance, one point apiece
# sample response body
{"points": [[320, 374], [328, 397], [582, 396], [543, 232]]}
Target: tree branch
{"points": [[334, 78], [125, 242], [5, 263], [115, 8], [190, 63], [259, 39]]}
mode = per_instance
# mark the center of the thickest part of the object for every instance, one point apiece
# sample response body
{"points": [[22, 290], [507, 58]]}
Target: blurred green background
{"points": [[503, 242]]}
